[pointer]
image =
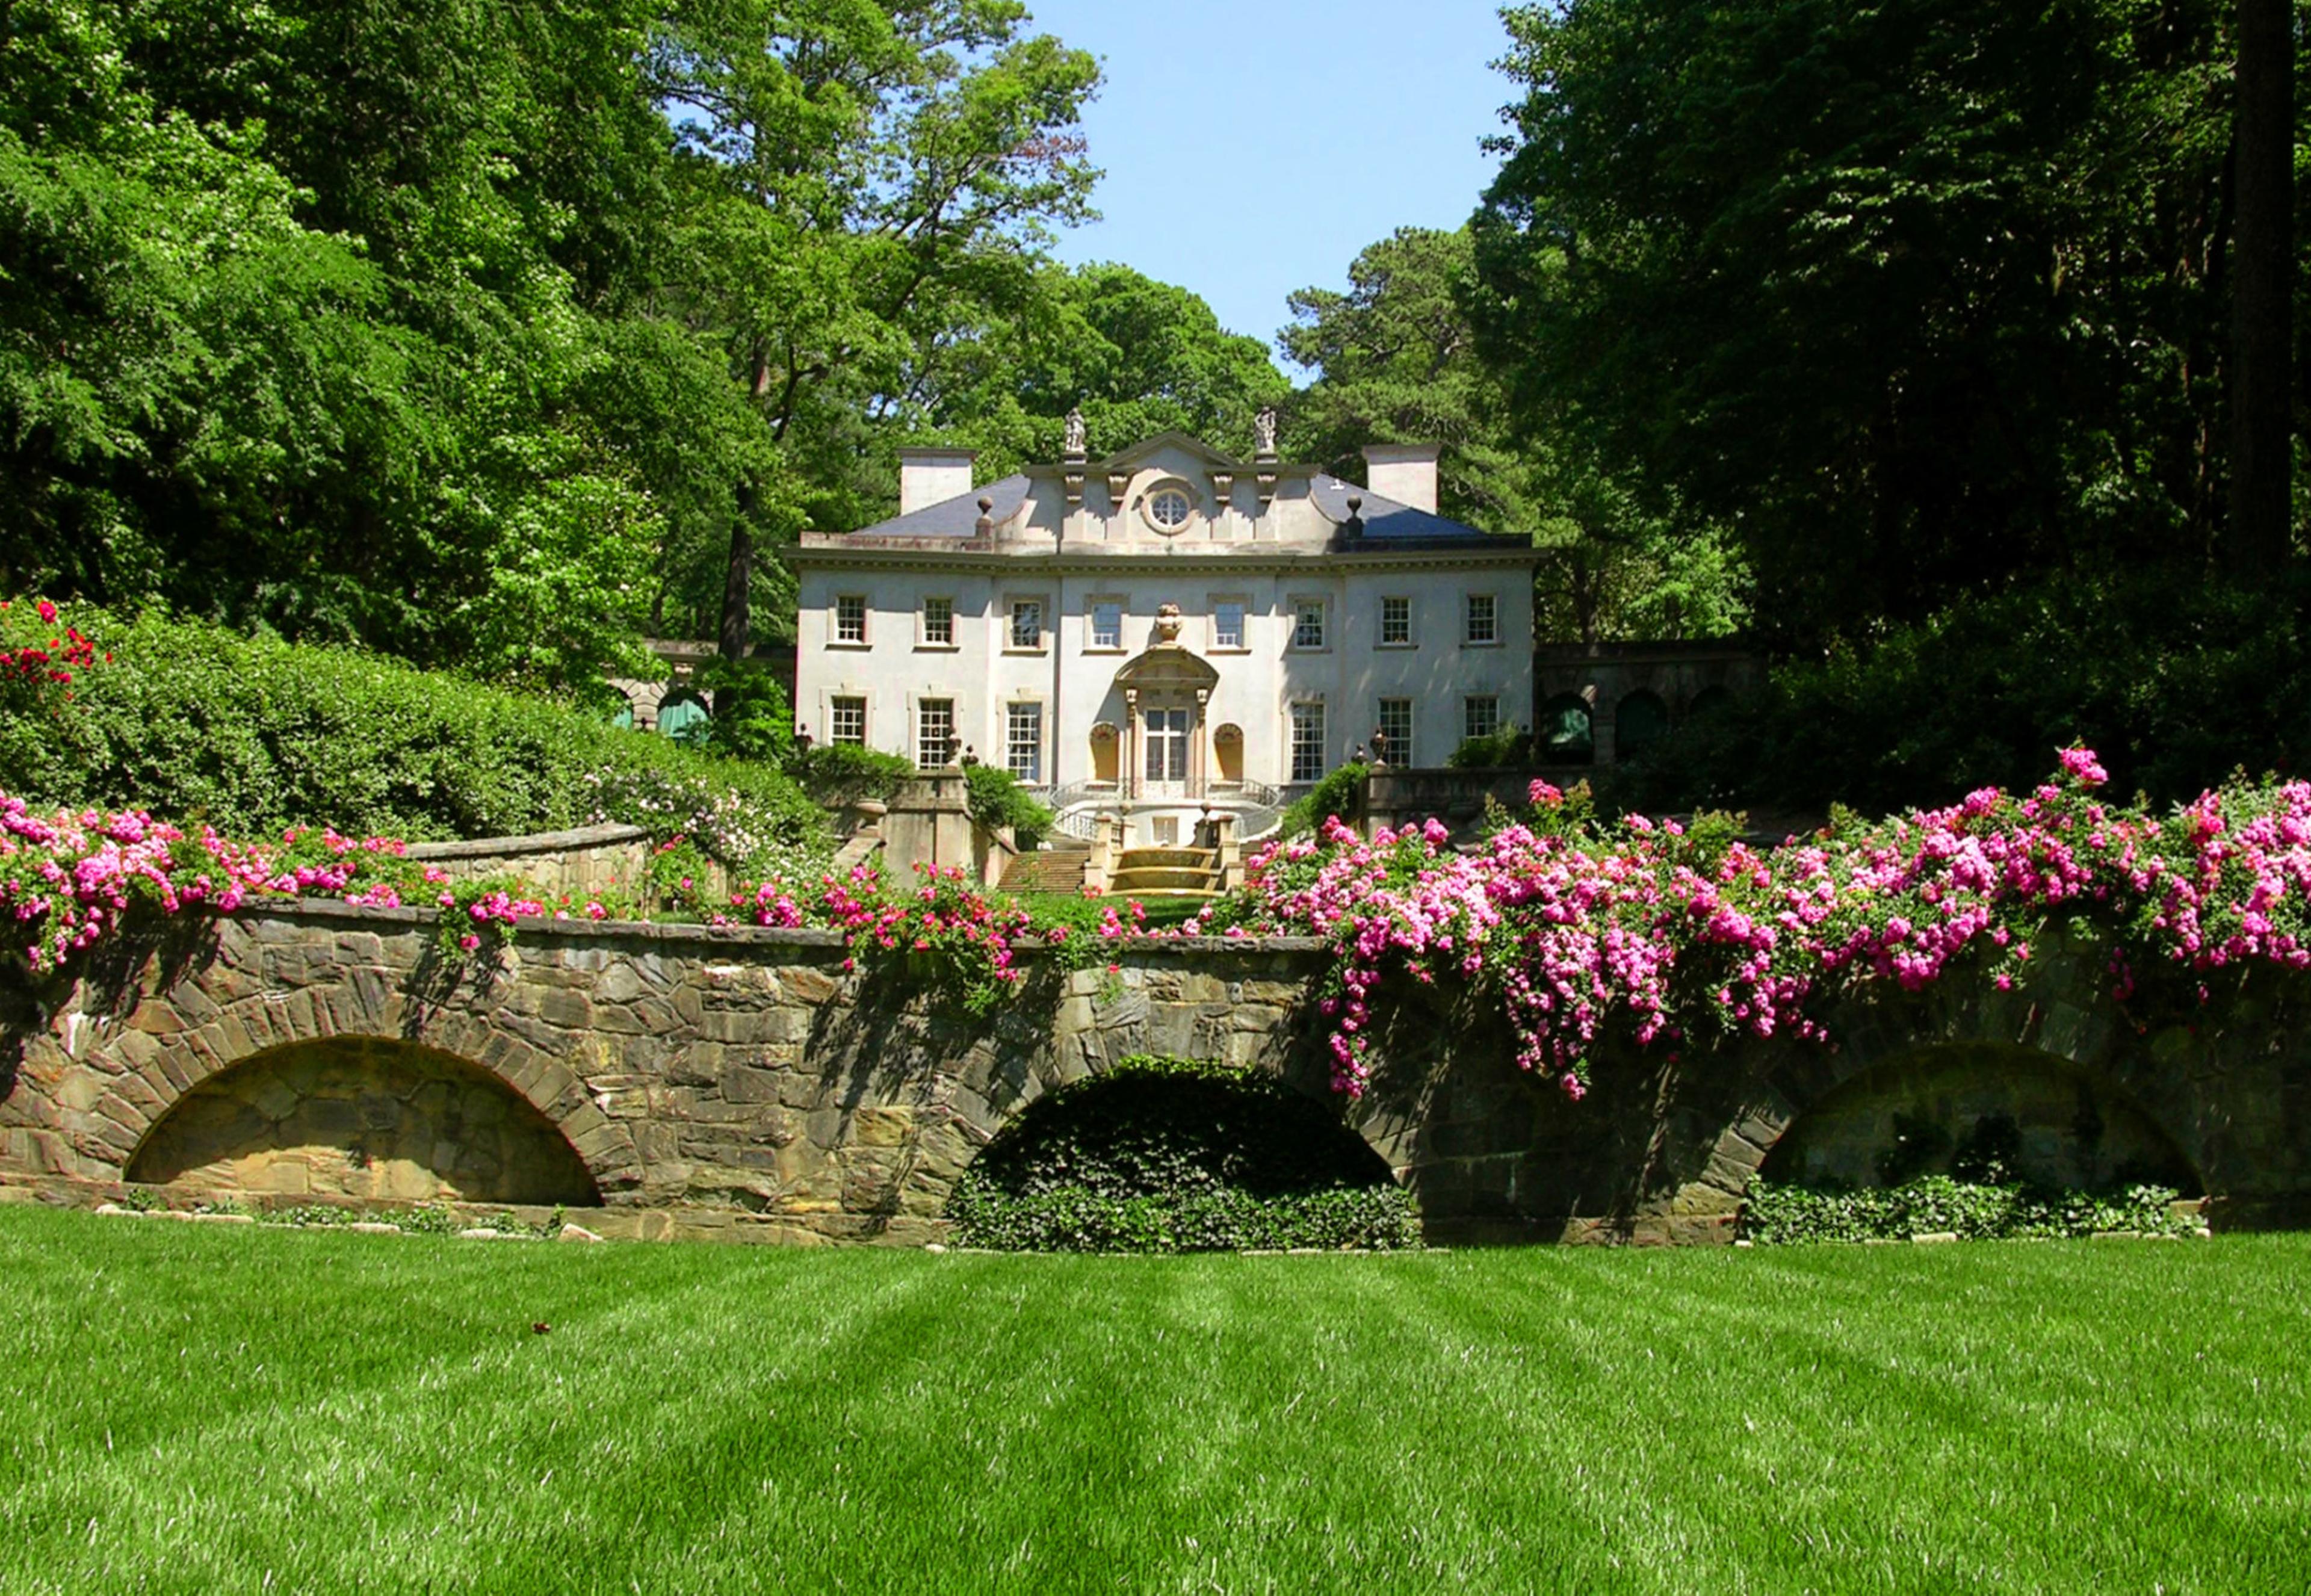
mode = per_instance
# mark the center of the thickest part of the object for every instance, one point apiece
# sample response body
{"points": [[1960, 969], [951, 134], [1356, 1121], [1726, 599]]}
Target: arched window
{"points": [[682, 715], [1639, 721], [1567, 735]]}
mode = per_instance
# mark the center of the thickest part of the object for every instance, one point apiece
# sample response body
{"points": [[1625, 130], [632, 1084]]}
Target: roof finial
{"points": [[1073, 439], [986, 514], [1263, 433]]}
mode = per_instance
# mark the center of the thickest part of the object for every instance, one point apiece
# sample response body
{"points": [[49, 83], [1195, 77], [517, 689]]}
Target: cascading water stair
{"points": [[1172, 872]]}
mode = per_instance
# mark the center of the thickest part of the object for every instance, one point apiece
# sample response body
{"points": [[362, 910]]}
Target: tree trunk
{"points": [[2262, 340], [737, 583]]}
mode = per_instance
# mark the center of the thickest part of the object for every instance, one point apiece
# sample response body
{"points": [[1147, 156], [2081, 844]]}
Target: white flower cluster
{"points": [[728, 828]]}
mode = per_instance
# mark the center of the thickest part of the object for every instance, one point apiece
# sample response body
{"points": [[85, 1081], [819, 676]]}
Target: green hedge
{"points": [[193, 721], [1341, 792], [997, 798], [1934, 1205], [1170, 1156]]}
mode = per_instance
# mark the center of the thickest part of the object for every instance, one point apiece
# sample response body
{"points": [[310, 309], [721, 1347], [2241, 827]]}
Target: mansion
{"points": [[1166, 633]]}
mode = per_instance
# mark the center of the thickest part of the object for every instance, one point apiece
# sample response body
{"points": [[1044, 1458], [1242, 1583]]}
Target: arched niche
{"points": [[1922, 1112], [1709, 702], [683, 715], [1639, 721], [1227, 750], [364, 1118], [1104, 744], [1567, 734]]}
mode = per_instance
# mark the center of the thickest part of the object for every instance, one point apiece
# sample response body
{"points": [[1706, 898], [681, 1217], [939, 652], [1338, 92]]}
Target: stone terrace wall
{"points": [[740, 1082]]}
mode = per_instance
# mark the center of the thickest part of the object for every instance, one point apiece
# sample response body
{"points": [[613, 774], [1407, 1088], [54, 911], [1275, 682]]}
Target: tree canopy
{"points": [[1919, 296], [1397, 360]]}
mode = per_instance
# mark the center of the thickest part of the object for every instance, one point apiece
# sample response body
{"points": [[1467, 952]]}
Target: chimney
{"points": [[1404, 472], [929, 477]]}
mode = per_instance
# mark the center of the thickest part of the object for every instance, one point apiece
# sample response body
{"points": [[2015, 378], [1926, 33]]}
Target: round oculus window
{"points": [[1169, 509]]}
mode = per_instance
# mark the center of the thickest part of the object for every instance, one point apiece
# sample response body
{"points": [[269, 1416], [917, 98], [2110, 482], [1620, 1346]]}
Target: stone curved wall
{"points": [[738, 1082]]}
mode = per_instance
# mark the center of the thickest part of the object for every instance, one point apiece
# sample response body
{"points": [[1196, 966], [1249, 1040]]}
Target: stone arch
{"points": [[2051, 1047], [1567, 731], [216, 1018], [683, 715], [1640, 720], [1715, 699], [1913, 1114], [362, 1117]]}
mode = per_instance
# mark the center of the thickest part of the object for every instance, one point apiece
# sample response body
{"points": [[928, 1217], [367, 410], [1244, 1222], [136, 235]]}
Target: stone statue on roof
{"points": [[1073, 441], [1263, 431]]}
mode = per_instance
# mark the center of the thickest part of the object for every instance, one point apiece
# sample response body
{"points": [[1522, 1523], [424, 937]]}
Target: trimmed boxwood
{"points": [[193, 721], [1164, 1155]]}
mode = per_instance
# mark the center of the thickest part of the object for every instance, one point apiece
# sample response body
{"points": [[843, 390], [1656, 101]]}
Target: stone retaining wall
{"points": [[743, 1082]]}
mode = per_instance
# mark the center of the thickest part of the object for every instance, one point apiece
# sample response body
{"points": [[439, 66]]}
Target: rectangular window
{"points": [[1027, 624], [851, 618], [939, 622], [1307, 622], [1227, 625], [1307, 742], [1023, 742], [935, 743], [1393, 746], [846, 722], [1106, 624], [1395, 622], [1480, 715], [1484, 620]]}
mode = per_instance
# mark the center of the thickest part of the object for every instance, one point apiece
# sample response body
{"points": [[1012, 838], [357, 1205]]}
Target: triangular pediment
{"points": [[1148, 449]]}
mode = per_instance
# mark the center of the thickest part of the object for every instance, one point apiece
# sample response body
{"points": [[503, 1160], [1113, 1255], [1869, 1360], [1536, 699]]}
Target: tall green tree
{"points": [[1920, 298], [1397, 360], [1137, 356], [858, 178], [314, 319]]}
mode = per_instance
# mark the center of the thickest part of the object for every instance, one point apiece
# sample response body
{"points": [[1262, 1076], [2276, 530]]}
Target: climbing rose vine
{"points": [[1573, 926]]}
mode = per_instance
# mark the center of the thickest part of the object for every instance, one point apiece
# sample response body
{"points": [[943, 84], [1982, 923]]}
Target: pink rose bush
{"points": [[38, 648], [1573, 926]]}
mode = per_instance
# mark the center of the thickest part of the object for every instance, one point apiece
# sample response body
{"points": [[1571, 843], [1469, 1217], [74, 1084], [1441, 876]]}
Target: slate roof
{"points": [[1387, 521], [955, 518]]}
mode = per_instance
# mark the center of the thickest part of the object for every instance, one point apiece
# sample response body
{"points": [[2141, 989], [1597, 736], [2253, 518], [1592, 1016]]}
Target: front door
{"points": [[1167, 753]]}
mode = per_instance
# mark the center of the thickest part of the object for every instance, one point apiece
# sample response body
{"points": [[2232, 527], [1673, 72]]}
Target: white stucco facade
{"points": [[1311, 613]]}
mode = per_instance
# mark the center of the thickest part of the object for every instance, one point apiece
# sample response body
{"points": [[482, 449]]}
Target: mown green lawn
{"points": [[196, 1408]]}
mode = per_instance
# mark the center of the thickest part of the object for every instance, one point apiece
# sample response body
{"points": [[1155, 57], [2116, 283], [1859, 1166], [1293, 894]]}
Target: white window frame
{"points": [[921, 708], [1399, 754], [1292, 715], [1033, 778], [924, 638], [1301, 603], [834, 705], [1469, 704], [1092, 606], [1243, 644], [866, 638], [1386, 641], [1011, 607], [1469, 638]]}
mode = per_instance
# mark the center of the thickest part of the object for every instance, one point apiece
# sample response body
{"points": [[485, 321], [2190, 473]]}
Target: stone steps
{"points": [[1055, 869]]}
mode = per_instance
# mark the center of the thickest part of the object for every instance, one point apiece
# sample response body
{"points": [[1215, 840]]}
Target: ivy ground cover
{"points": [[198, 1409]]}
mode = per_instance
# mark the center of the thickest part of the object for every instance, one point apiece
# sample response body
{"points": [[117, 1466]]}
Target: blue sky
{"points": [[1253, 148]]}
